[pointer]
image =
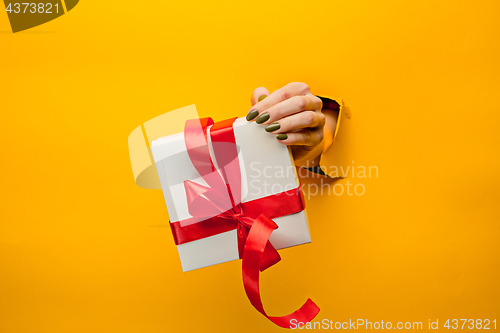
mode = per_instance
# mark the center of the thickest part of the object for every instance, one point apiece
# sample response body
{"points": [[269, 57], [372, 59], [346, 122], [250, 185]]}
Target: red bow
{"points": [[217, 208]]}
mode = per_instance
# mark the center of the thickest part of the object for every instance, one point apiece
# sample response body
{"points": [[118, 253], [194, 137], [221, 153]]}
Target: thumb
{"points": [[258, 95]]}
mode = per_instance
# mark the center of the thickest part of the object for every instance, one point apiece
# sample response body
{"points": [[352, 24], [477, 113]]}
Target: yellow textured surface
{"points": [[78, 250]]}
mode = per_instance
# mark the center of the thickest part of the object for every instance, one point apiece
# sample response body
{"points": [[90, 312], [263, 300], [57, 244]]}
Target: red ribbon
{"points": [[256, 241], [217, 208]]}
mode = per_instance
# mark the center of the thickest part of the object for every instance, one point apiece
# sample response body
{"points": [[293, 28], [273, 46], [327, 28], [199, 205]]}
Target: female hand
{"points": [[294, 115]]}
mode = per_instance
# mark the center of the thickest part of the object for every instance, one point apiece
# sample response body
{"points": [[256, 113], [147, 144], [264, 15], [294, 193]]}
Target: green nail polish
{"points": [[262, 118], [252, 114], [281, 136], [261, 98], [272, 127]]}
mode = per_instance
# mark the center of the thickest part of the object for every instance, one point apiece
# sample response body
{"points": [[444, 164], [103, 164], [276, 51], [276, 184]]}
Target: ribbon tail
{"points": [[255, 246], [270, 257], [242, 232]]}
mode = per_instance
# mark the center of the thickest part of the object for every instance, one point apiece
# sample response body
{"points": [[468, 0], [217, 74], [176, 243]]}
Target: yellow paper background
{"points": [[78, 248]]}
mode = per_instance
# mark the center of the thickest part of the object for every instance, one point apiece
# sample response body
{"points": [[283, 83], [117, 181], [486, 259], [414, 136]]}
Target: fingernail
{"points": [[262, 118], [272, 127], [281, 136], [261, 98], [252, 114]]}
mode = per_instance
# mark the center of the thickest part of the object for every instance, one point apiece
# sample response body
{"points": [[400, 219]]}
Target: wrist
{"points": [[311, 159]]}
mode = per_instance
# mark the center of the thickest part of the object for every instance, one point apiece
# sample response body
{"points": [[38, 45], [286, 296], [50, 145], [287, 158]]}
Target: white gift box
{"points": [[267, 168]]}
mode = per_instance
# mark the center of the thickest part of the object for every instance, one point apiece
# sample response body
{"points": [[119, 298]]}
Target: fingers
{"points": [[312, 138], [258, 95], [291, 113], [278, 96], [282, 94], [289, 107], [301, 120]]}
